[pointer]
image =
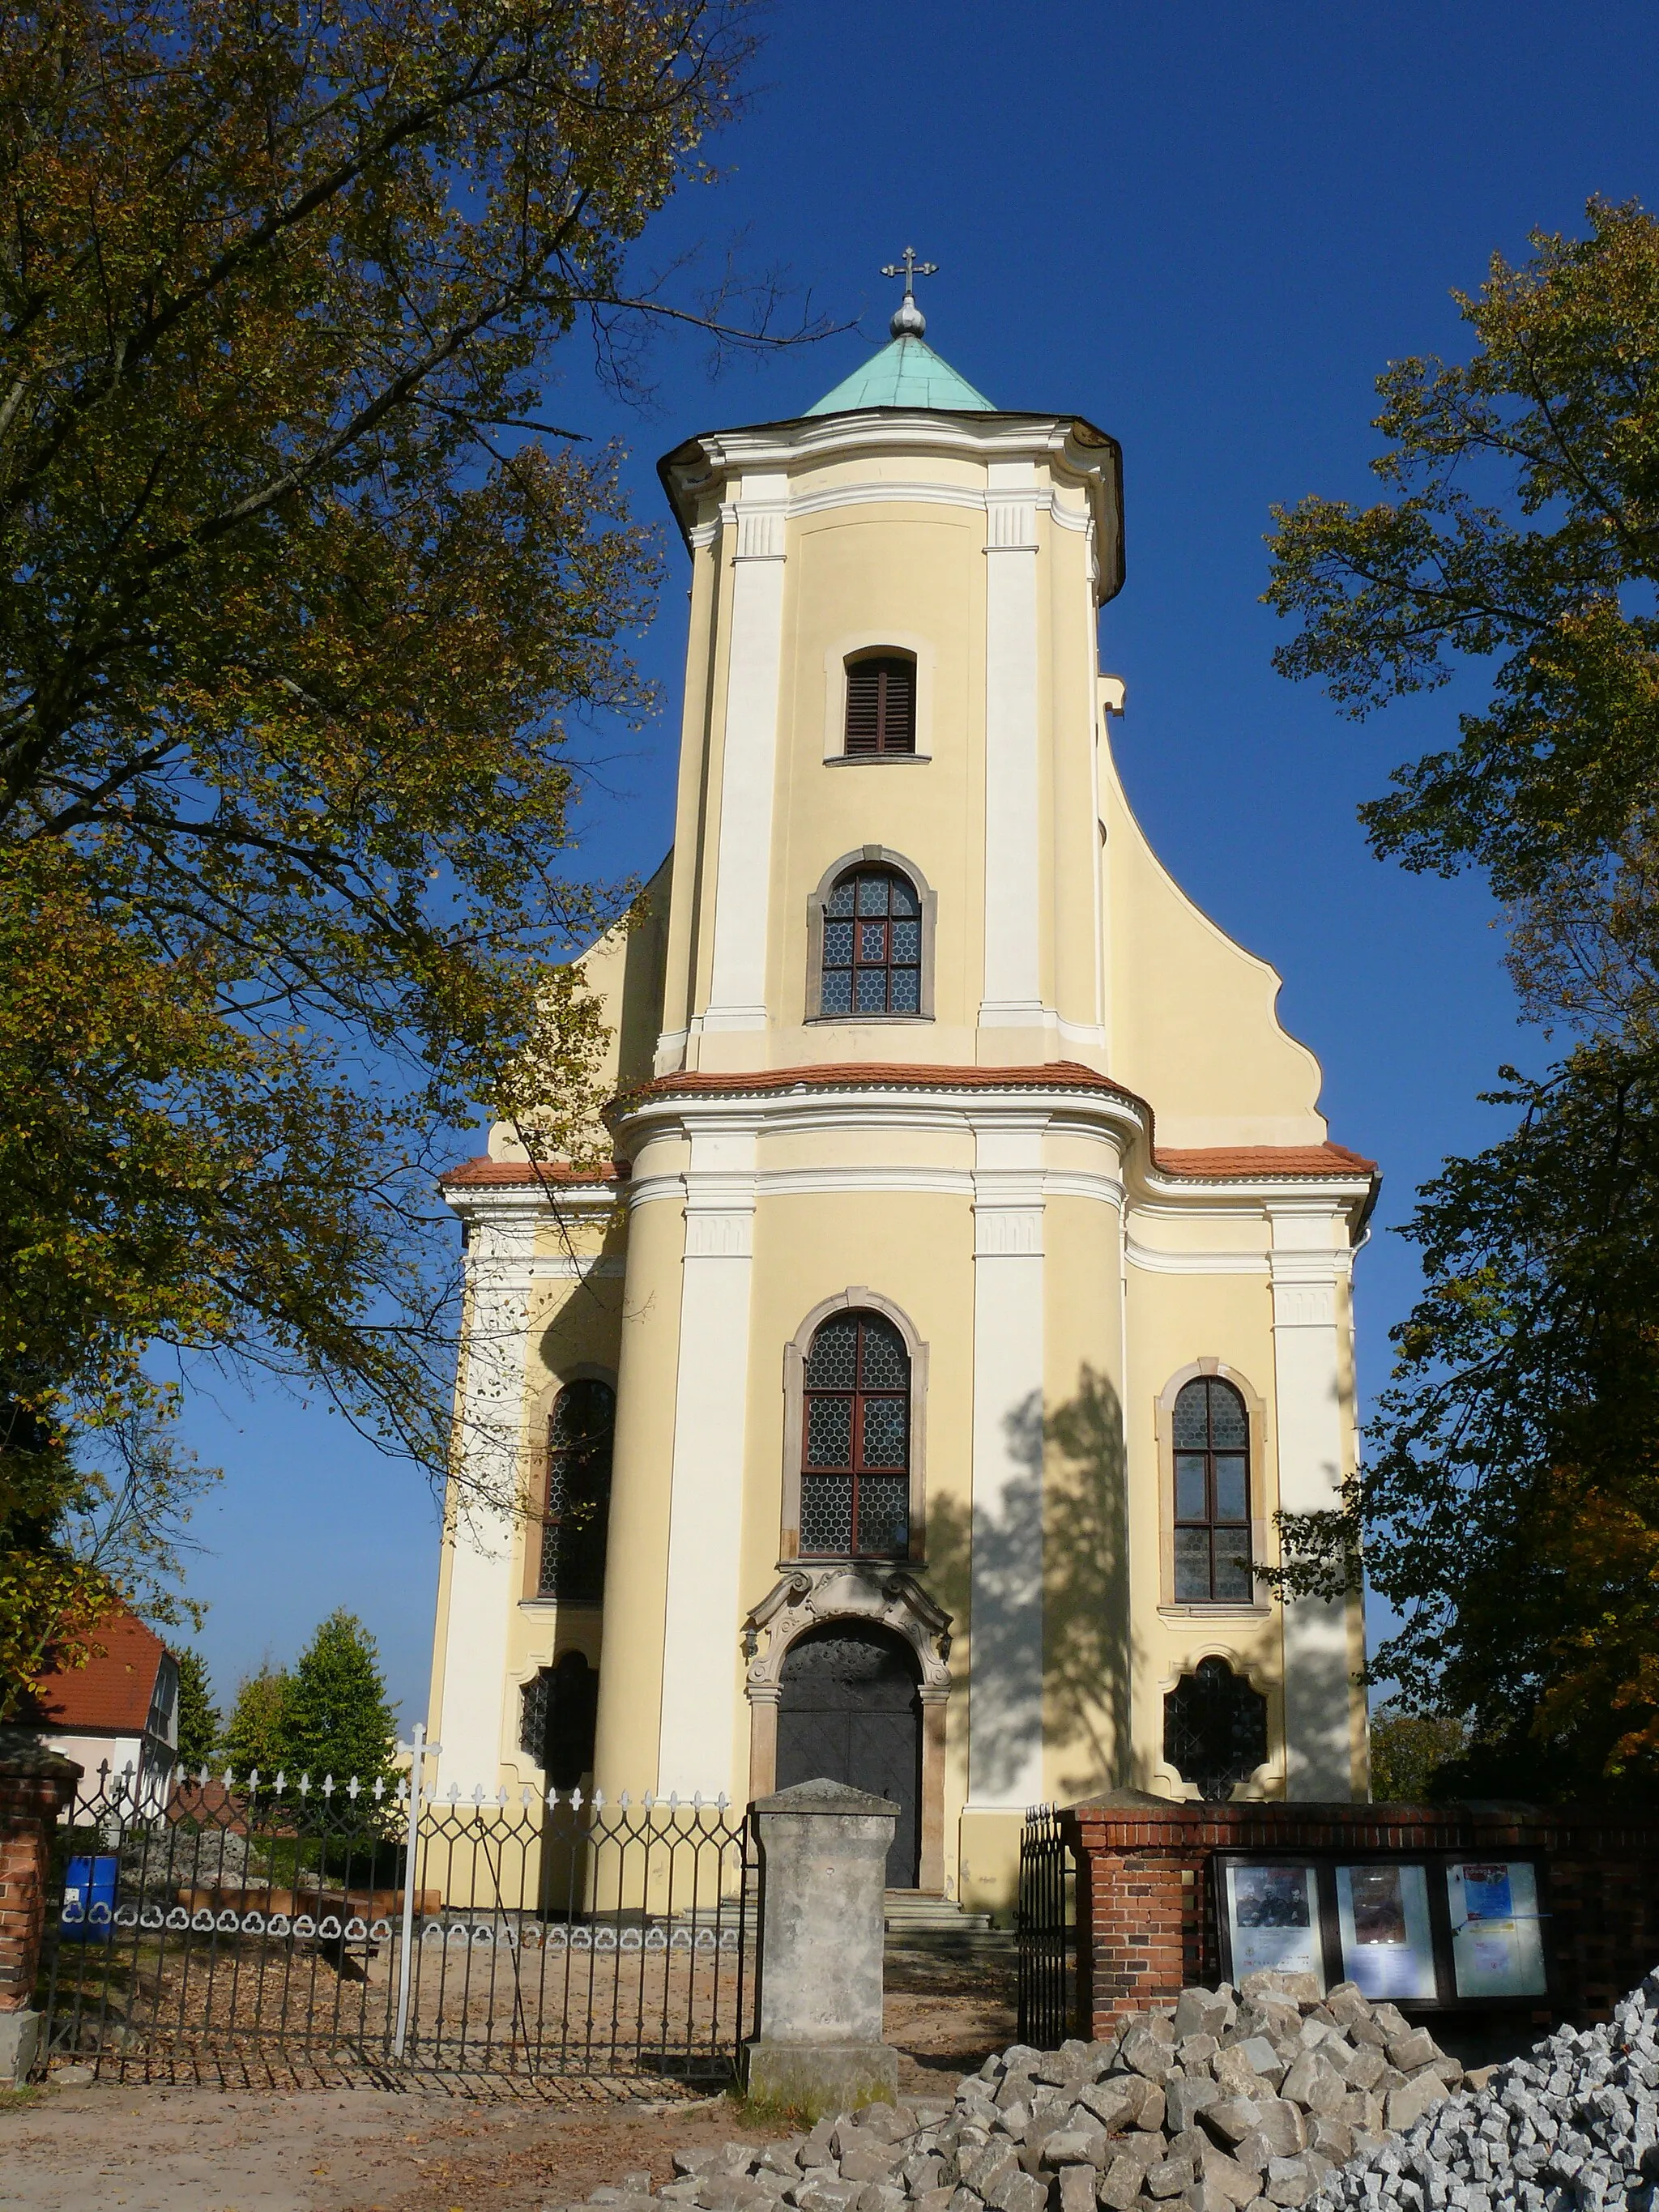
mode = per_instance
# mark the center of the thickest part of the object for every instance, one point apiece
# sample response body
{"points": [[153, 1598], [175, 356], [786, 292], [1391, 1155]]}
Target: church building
{"points": [[911, 1401]]}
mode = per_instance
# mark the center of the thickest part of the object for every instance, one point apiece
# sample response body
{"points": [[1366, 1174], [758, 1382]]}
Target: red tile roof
{"points": [[111, 1692], [1264, 1159], [484, 1171]]}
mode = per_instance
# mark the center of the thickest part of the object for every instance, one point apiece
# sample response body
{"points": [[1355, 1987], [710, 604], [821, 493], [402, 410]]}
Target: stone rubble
{"points": [[1246, 2101], [1572, 2127]]}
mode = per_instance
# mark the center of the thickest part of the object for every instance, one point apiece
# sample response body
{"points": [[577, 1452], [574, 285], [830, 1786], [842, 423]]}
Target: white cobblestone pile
{"points": [[1244, 2101], [1572, 2127]]}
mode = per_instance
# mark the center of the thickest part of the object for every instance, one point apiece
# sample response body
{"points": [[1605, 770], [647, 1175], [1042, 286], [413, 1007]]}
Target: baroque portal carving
{"points": [[880, 1597]]}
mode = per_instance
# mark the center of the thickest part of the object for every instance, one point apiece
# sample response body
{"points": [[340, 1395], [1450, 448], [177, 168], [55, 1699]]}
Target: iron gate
{"points": [[214, 1926], [1045, 1923]]}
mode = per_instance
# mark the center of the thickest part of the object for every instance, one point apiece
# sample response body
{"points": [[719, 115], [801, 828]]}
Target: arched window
{"points": [[579, 1438], [560, 1708], [872, 961], [855, 1443], [881, 704], [1211, 1437]]}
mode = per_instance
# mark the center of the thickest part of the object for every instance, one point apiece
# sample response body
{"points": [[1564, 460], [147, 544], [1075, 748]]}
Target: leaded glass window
{"points": [[1212, 1494], [871, 960], [559, 1712], [579, 1441], [855, 1456]]}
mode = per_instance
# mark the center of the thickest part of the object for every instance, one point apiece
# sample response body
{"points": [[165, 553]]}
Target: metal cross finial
{"points": [[909, 321]]}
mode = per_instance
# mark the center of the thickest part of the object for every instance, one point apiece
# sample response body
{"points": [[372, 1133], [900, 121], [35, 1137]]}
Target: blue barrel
{"points": [[89, 1898]]}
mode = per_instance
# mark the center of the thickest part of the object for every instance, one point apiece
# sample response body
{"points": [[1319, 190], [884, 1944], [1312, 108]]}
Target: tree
{"points": [[336, 1719], [303, 595], [1556, 418], [256, 1735], [199, 1717], [1409, 1752], [1511, 1508]]}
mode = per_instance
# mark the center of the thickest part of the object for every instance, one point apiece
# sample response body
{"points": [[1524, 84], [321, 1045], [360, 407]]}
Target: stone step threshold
{"points": [[912, 1912]]}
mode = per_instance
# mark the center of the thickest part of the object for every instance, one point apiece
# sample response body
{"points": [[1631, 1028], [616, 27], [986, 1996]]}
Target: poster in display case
{"points": [[1498, 1945], [1439, 1930], [1273, 1920], [1382, 1920]]}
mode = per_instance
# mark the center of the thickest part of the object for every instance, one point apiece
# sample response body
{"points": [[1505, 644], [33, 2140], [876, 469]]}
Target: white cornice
{"points": [[1159, 1263]]}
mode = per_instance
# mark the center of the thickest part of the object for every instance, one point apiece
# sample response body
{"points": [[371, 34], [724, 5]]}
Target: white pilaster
{"points": [[1014, 983], [700, 1676], [737, 996], [501, 1228], [1004, 1709], [1308, 1382]]}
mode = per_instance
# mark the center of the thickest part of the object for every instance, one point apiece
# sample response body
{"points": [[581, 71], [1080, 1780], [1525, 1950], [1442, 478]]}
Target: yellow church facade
{"points": [[912, 1402]]}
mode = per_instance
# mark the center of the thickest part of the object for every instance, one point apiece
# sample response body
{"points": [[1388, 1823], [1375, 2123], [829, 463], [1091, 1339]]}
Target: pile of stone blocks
{"points": [[1573, 2124], [1244, 2101]]}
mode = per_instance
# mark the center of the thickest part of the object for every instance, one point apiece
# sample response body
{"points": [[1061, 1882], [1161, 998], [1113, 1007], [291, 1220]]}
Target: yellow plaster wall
{"points": [[637, 1568], [1194, 1029], [869, 573]]}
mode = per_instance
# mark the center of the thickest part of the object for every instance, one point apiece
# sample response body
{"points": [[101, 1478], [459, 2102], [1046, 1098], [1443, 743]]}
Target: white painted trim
{"points": [[742, 882], [1004, 1709], [697, 1747], [1157, 1262], [1011, 996], [1308, 1413], [484, 1520]]}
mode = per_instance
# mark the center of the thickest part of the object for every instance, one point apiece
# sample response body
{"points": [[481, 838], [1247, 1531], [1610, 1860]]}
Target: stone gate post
{"points": [[823, 1870], [36, 1786]]}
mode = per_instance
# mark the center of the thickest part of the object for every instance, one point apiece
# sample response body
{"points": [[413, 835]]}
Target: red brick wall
{"points": [[34, 1788], [1146, 1921]]}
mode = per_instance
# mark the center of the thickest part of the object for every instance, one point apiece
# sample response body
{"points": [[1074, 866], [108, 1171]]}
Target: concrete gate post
{"points": [[36, 1786], [823, 1870]]}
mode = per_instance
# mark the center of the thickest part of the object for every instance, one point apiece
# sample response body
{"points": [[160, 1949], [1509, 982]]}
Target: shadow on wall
{"points": [[1076, 1455]]}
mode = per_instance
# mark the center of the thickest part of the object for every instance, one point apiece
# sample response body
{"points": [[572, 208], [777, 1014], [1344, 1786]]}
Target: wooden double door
{"points": [[851, 1712]]}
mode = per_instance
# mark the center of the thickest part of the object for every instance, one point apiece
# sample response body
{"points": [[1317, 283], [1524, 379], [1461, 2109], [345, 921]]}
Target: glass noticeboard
{"points": [[1387, 1945], [1498, 1945], [1435, 1929], [1273, 1912]]}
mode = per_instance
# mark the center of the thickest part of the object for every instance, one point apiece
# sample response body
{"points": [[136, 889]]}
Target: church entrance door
{"points": [[852, 1712]]}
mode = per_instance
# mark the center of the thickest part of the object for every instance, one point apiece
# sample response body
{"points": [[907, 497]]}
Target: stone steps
{"points": [[908, 1913]]}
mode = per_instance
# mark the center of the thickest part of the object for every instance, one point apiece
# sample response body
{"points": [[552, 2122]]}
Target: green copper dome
{"points": [[905, 374]]}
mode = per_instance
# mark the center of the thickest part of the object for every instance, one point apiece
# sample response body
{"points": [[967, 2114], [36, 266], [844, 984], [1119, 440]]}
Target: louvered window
{"points": [[855, 1452], [872, 945], [1212, 1494], [881, 705], [579, 1439]]}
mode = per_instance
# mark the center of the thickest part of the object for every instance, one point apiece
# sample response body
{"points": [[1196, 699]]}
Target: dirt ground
{"points": [[148, 2149]]}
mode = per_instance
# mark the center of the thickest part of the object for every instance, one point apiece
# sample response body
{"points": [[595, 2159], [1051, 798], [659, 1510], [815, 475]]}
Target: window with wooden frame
{"points": [[855, 1441], [580, 1433], [871, 953], [881, 704], [1211, 1433]]}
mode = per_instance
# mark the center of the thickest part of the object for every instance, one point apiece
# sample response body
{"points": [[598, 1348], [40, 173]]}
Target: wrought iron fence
{"points": [[1047, 1926], [550, 1936]]}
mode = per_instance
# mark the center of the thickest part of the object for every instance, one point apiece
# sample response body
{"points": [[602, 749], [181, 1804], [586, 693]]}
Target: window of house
{"points": [[560, 1709], [881, 704], [872, 945], [579, 1431], [1211, 1436], [855, 1456]]}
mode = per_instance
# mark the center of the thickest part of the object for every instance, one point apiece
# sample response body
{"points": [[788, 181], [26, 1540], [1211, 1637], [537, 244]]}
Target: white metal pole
{"points": [[417, 1750]]}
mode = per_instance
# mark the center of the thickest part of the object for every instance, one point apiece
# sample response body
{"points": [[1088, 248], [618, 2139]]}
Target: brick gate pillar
{"points": [[35, 1788]]}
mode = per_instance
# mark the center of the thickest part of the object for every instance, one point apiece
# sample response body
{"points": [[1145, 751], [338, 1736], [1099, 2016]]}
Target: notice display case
{"points": [[1440, 1930]]}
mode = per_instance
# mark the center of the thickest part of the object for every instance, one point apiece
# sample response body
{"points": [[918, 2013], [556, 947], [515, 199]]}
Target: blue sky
{"points": [[1207, 229]]}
